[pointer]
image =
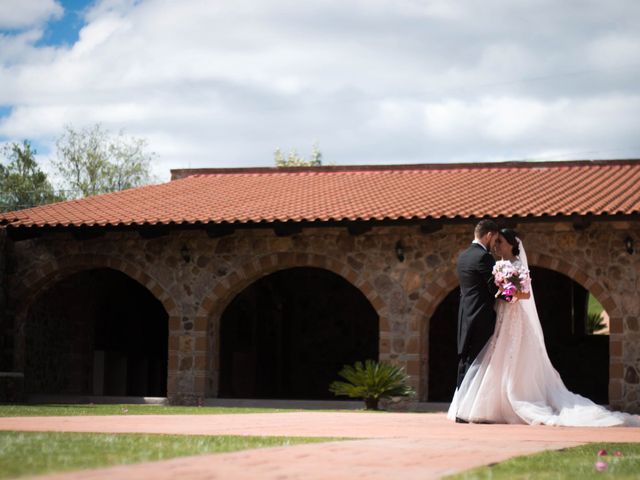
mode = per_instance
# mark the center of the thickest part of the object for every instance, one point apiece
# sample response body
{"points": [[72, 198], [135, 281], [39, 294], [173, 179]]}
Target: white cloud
{"points": [[600, 127], [213, 83], [504, 119], [14, 47], [615, 50], [21, 14]]}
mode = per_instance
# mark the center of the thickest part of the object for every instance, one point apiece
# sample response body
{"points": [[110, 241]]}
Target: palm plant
{"points": [[595, 322], [372, 381]]}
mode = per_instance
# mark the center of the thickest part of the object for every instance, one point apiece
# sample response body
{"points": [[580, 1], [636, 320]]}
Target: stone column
{"points": [[187, 360]]}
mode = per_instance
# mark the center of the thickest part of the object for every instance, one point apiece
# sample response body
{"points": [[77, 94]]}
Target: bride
{"points": [[512, 379]]}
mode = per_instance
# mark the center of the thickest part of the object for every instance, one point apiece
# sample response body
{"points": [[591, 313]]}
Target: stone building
{"points": [[262, 283]]}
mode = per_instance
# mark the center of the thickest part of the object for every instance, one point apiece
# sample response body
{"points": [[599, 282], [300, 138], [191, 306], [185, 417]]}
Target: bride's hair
{"points": [[512, 237]]}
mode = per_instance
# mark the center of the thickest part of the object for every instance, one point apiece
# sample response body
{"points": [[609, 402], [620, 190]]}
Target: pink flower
{"points": [[511, 279], [601, 466], [602, 452], [509, 290], [617, 453]]}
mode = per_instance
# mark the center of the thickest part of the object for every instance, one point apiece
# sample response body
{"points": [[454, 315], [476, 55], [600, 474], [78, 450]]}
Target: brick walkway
{"points": [[387, 446]]}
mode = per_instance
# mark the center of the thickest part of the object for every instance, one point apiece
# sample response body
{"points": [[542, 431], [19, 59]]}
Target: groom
{"points": [[476, 316]]}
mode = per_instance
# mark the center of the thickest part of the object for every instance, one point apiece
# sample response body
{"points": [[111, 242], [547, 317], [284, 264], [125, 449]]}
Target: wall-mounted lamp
{"points": [[185, 254], [628, 245], [400, 251]]}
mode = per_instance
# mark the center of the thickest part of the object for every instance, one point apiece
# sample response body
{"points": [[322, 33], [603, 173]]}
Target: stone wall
{"points": [[195, 277]]}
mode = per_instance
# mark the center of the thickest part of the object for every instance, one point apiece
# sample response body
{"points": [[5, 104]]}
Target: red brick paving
{"points": [[389, 445]]}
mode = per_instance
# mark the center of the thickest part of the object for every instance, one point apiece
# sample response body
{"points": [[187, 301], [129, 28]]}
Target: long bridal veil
{"points": [[513, 381]]}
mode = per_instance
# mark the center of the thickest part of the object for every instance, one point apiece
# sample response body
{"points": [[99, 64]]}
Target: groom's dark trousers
{"points": [[476, 315]]}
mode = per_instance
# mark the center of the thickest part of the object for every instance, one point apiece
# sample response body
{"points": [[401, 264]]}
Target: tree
{"points": [[22, 183], [93, 160], [294, 160]]}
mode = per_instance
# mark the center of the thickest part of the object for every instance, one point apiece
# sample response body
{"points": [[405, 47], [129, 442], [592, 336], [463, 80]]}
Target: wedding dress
{"points": [[513, 381]]}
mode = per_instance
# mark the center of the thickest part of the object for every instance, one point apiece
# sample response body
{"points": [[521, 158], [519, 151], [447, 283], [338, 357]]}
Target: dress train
{"points": [[513, 381]]}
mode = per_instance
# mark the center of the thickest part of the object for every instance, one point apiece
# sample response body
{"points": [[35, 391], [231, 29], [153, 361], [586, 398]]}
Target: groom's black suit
{"points": [[476, 315]]}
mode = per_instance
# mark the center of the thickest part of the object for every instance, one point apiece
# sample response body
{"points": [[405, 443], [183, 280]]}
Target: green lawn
{"points": [[594, 305], [62, 410], [566, 464], [33, 453]]}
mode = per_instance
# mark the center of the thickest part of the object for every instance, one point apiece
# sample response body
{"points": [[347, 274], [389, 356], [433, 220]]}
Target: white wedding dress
{"points": [[513, 381]]}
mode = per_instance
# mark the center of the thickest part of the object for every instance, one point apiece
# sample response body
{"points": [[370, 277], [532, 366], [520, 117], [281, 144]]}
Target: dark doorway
{"points": [[581, 359], [97, 332], [288, 334], [443, 351]]}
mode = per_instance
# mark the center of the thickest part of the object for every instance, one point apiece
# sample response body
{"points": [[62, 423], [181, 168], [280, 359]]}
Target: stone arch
{"points": [[43, 275], [424, 309], [39, 277], [436, 292], [217, 300], [591, 284]]}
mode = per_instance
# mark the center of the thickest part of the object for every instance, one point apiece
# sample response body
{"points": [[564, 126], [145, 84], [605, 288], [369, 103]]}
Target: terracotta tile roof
{"points": [[513, 189]]}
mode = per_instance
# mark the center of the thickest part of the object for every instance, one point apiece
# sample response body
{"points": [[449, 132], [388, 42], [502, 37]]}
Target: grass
{"points": [[72, 410], [594, 305], [578, 462], [33, 453]]}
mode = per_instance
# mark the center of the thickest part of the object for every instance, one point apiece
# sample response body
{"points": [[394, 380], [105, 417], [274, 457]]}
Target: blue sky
{"points": [[64, 31], [223, 84], [57, 30]]}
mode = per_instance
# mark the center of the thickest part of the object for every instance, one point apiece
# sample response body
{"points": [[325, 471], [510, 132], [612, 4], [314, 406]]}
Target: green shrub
{"points": [[595, 322], [372, 381]]}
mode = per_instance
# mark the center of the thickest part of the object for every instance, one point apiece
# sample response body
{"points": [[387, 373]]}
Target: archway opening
{"points": [[97, 332], [567, 314], [443, 350], [288, 334], [581, 358]]}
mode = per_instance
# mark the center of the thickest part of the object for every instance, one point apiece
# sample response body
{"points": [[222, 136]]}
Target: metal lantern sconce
{"points": [[628, 245], [185, 254], [400, 251]]}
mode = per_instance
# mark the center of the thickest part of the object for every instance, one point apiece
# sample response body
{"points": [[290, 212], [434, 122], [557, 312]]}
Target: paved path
{"points": [[386, 446]]}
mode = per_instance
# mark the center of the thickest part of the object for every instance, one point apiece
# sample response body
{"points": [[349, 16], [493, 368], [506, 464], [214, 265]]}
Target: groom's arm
{"points": [[486, 270]]}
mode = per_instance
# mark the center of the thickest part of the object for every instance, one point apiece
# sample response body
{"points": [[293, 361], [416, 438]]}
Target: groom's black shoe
{"points": [[461, 420]]}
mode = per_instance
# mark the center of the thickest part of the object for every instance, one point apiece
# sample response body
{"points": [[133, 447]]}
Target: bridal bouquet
{"points": [[511, 279]]}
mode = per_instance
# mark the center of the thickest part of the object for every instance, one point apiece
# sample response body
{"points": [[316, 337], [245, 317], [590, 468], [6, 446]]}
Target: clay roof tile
{"points": [[514, 189]]}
